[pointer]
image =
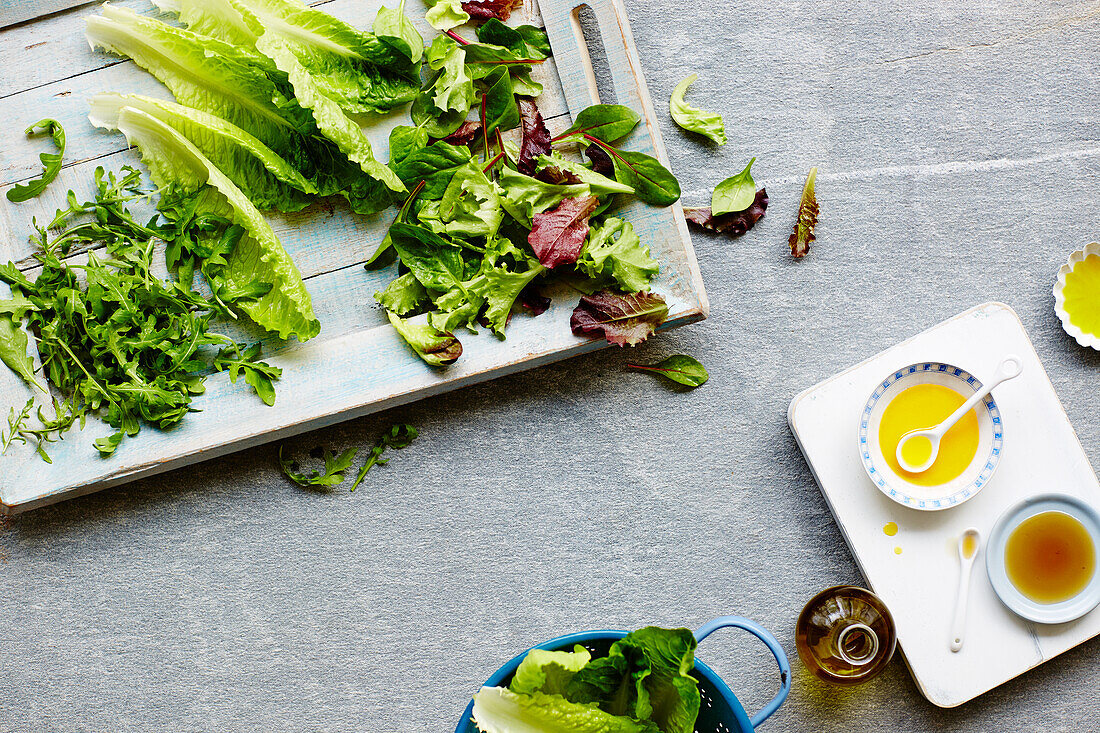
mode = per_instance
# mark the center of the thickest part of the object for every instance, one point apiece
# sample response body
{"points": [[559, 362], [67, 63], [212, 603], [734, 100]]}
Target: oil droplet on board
{"points": [[897, 550], [890, 529]]}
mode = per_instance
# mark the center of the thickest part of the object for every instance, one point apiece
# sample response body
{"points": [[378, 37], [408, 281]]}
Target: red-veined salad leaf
{"points": [[558, 234], [466, 133], [803, 232], [536, 138], [734, 224], [679, 368], [623, 319]]}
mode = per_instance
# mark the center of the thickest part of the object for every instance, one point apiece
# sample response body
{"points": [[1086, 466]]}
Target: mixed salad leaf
{"points": [[692, 119], [336, 465], [51, 162], [803, 233], [643, 685], [679, 368]]}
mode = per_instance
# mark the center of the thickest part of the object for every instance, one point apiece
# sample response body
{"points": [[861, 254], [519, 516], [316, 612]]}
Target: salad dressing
{"points": [[1079, 292], [1050, 557], [924, 406]]}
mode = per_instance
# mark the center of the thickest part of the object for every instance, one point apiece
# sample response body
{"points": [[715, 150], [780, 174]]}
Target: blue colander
{"points": [[721, 711]]}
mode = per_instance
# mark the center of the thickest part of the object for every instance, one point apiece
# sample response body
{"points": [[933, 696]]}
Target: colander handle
{"points": [[738, 622]]}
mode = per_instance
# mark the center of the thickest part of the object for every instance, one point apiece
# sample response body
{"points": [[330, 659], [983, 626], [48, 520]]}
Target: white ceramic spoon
{"points": [[968, 550], [1009, 368]]}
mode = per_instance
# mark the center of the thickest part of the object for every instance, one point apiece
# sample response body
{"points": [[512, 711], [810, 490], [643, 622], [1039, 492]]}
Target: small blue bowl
{"points": [[721, 711], [1017, 602]]}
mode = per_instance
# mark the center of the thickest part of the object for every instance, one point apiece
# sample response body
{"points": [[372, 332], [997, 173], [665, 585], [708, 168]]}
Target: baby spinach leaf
{"points": [[536, 39], [501, 110], [679, 368], [437, 124], [525, 41], [736, 193], [807, 218], [733, 224], [606, 122], [331, 476], [692, 119], [404, 141], [398, 32], [652, 182], [434, 261], [623, 319], [435, 346], [435, 165], [51, 162]]}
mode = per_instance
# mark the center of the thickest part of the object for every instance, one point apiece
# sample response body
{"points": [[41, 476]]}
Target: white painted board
{"points": [[358, 364], [1041, 454]]}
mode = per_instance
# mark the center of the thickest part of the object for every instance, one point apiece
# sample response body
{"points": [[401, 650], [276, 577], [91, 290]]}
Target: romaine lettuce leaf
{"points": [[548, 671], [181, 169], [498, 710], [268, 180]]}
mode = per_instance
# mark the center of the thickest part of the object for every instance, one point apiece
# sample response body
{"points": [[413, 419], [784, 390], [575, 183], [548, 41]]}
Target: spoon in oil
{"points": [[969, 543], [917, 449]]}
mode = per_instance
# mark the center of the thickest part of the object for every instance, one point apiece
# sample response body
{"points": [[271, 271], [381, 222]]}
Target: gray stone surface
{"points": [[958, 145]]}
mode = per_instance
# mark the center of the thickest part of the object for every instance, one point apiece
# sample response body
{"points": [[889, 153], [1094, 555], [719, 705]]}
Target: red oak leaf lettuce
{"points": [[557, 236], [533, 300], [601, 161], [466, 133], [621, 318], [485, 9], [536, 138], [733, 224], [803, 232]]}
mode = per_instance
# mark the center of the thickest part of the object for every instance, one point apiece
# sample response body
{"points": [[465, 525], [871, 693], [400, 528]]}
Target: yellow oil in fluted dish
{"points": [[1081, 295], [920, 407]]}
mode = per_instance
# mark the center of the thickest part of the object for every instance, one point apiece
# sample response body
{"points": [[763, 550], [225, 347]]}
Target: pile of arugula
{"points": [[115, 339]]}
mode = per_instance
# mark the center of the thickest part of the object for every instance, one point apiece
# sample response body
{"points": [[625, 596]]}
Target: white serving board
{"points": [[1041, 454], [358, 364]]}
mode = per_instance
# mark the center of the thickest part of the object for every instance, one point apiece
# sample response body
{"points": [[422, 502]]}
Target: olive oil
{"points": [[925, 406], [845, 635], [1050, 557]]}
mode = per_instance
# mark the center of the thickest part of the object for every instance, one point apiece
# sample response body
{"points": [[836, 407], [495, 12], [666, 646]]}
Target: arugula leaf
{"points": [[679, 368], [107, 446], [436, 347], [443, 15], [257, 373], [614, 249], [398, 436], [807, 218], [16, 426], [622, 319], [331, 476], [736, 193], [396, 30], [734, 224], [13, 351], [606, 122], [692, 119], [500, 102], [51, 162], [557, 236]]}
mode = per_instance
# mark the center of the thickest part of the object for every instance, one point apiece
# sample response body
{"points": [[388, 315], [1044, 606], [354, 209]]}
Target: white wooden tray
{"points": [[1041, 454], [358, 364]]}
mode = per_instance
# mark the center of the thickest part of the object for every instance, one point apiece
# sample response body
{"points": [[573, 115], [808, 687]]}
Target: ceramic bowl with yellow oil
{"points": [[1043, 558], [1077, 295], [921, 396]]}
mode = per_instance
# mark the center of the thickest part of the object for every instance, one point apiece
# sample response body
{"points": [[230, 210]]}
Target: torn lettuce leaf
{"points": [[803, 233], [499, 710], [558, 234], [695, 120], [548, 672], [453, 89], [614, 250], [734, 224], [403, 296], [623, 319], [470, 205], [598, 184], [434, 346], [443, 15], [181, 169], [524, 196]]}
